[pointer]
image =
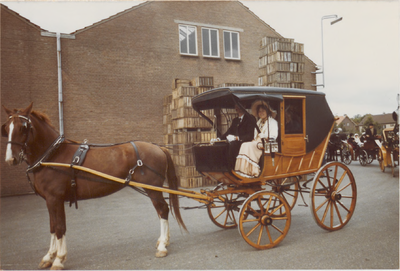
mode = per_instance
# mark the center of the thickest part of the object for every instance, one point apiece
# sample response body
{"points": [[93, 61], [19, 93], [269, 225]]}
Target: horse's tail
{"points": [[173, 184]]}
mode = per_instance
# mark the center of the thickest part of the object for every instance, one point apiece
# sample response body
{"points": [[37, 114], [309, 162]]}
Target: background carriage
{"points": [[389, 147]]}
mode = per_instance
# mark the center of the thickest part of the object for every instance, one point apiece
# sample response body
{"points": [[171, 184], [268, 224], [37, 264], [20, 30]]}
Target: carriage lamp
{"points": [[322, 71]]}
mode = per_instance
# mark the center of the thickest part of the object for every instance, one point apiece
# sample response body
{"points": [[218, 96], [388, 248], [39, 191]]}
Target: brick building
{"points": [[116, 72]]}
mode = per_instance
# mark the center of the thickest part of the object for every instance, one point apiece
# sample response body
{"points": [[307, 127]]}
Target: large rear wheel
{"points": [[333, 196], [264, 219]]}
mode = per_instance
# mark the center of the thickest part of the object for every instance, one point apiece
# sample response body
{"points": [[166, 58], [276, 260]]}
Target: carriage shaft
{"points": [[186, 193]]}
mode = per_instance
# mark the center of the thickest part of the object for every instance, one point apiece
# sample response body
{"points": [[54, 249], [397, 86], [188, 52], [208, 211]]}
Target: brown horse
{"points": [[33, 139]]}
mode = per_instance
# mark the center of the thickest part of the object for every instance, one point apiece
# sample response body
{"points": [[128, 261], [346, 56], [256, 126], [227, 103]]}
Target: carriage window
{"points": [[293, 116]]}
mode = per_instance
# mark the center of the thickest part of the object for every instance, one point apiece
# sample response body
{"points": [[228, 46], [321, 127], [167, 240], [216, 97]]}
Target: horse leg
{"points": [[57, 253], [48, 259], [162, 209], [163, 240]]}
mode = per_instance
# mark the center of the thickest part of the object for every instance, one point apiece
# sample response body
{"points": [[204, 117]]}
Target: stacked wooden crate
{"points": [[183, 127], [281, 63]]}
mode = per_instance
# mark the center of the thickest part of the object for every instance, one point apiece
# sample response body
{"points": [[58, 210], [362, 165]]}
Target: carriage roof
{"points": [[319, 117]]}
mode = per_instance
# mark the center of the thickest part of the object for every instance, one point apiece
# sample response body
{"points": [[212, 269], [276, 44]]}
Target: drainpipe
{"points": [[60, 90]]}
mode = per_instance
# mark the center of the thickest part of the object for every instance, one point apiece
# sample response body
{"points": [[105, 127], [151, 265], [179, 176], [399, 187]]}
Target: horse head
{"points": [[17, 129]]}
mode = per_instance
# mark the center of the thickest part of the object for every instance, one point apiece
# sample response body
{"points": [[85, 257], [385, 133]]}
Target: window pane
{"points": [[235, 45], [192, 40], [206, 42], [293, 116], [183, 39], [214, 42], [227, 44]]}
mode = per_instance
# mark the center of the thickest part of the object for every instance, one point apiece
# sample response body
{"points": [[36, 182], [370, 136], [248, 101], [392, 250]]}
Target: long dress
{"points": [[250, 152]]}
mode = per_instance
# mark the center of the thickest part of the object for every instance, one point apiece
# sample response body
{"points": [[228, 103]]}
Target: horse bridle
{"points": [[28, 125]]}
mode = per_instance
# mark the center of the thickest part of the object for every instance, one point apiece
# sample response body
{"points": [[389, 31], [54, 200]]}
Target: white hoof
{"points": [[45, 264], [161, 254]]}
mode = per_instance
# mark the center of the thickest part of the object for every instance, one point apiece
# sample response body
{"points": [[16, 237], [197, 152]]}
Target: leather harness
{"points": [[79, 158]]}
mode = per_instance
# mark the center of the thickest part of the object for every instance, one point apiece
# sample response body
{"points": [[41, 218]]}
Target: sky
{"points": [[360, 53]]}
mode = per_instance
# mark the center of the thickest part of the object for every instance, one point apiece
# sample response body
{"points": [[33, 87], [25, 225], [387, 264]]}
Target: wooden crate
{"points": [[189, 172], [187, 123], [203, 81], [202, 89], [180, 82], [183, 160], [191, 182], [235, 85], [184, 92]]}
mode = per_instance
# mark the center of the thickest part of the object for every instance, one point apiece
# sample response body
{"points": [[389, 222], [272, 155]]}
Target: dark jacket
{"points": [[370, 136], [244, 129]]}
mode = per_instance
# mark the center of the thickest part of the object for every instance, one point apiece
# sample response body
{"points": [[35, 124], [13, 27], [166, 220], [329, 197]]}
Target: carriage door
{"points": [[293, 140]]}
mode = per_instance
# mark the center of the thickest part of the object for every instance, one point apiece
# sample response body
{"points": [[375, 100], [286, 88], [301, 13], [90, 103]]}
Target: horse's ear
{"points": [[27, 110], [8, 111]]}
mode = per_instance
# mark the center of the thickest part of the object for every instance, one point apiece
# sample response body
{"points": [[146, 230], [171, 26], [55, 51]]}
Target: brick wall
{"points": [[116, 72], [28, 73]]}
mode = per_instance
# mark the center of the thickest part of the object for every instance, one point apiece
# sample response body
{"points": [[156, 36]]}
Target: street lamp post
{"points": [[322, 46]]}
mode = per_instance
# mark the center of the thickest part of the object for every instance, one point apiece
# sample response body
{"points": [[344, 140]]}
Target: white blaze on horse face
{"points": [[9, 156]]}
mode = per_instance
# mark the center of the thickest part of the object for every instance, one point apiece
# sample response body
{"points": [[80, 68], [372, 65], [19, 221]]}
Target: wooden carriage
{"points": [[389, 149], [264, 202]]}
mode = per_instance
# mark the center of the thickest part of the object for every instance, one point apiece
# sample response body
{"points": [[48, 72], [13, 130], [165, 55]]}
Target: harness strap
{"points": [[139, 163], [77, 160]]}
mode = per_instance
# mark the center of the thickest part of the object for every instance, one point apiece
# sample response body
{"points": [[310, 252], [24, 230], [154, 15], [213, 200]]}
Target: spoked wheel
{"points": [[222, 210], [363, 158], [370, 158], [333, 196], [264, 219], [346, 156], [288, 188]]}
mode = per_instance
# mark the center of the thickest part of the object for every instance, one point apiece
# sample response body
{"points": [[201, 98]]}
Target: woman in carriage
{"points": [[247, 162]]}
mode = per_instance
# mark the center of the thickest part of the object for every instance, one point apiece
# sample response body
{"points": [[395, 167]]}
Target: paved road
{"points": [[120, 232]]}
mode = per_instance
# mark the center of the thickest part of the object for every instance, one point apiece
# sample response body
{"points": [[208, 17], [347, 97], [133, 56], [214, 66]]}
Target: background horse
{"points": [[370, 147], [33, 139], [335, 145]]}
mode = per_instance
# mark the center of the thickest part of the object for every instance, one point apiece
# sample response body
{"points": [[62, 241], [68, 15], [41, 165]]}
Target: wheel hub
{"points": [[336, 196], [266, 220]]}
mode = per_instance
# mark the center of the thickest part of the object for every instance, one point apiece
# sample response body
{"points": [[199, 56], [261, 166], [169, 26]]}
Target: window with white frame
{"points": [[187, 40], [210, 42], [231, 45]]}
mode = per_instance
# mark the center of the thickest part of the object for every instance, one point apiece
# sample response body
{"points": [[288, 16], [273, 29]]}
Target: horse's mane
{"points": [[43, 117]]}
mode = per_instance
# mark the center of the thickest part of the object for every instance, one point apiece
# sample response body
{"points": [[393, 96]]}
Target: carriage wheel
{"points": [[346, 156], [288, 188], [370, 158], [260, 221], [221, 211], [381, 162], [333, 196], [363, 157]]}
